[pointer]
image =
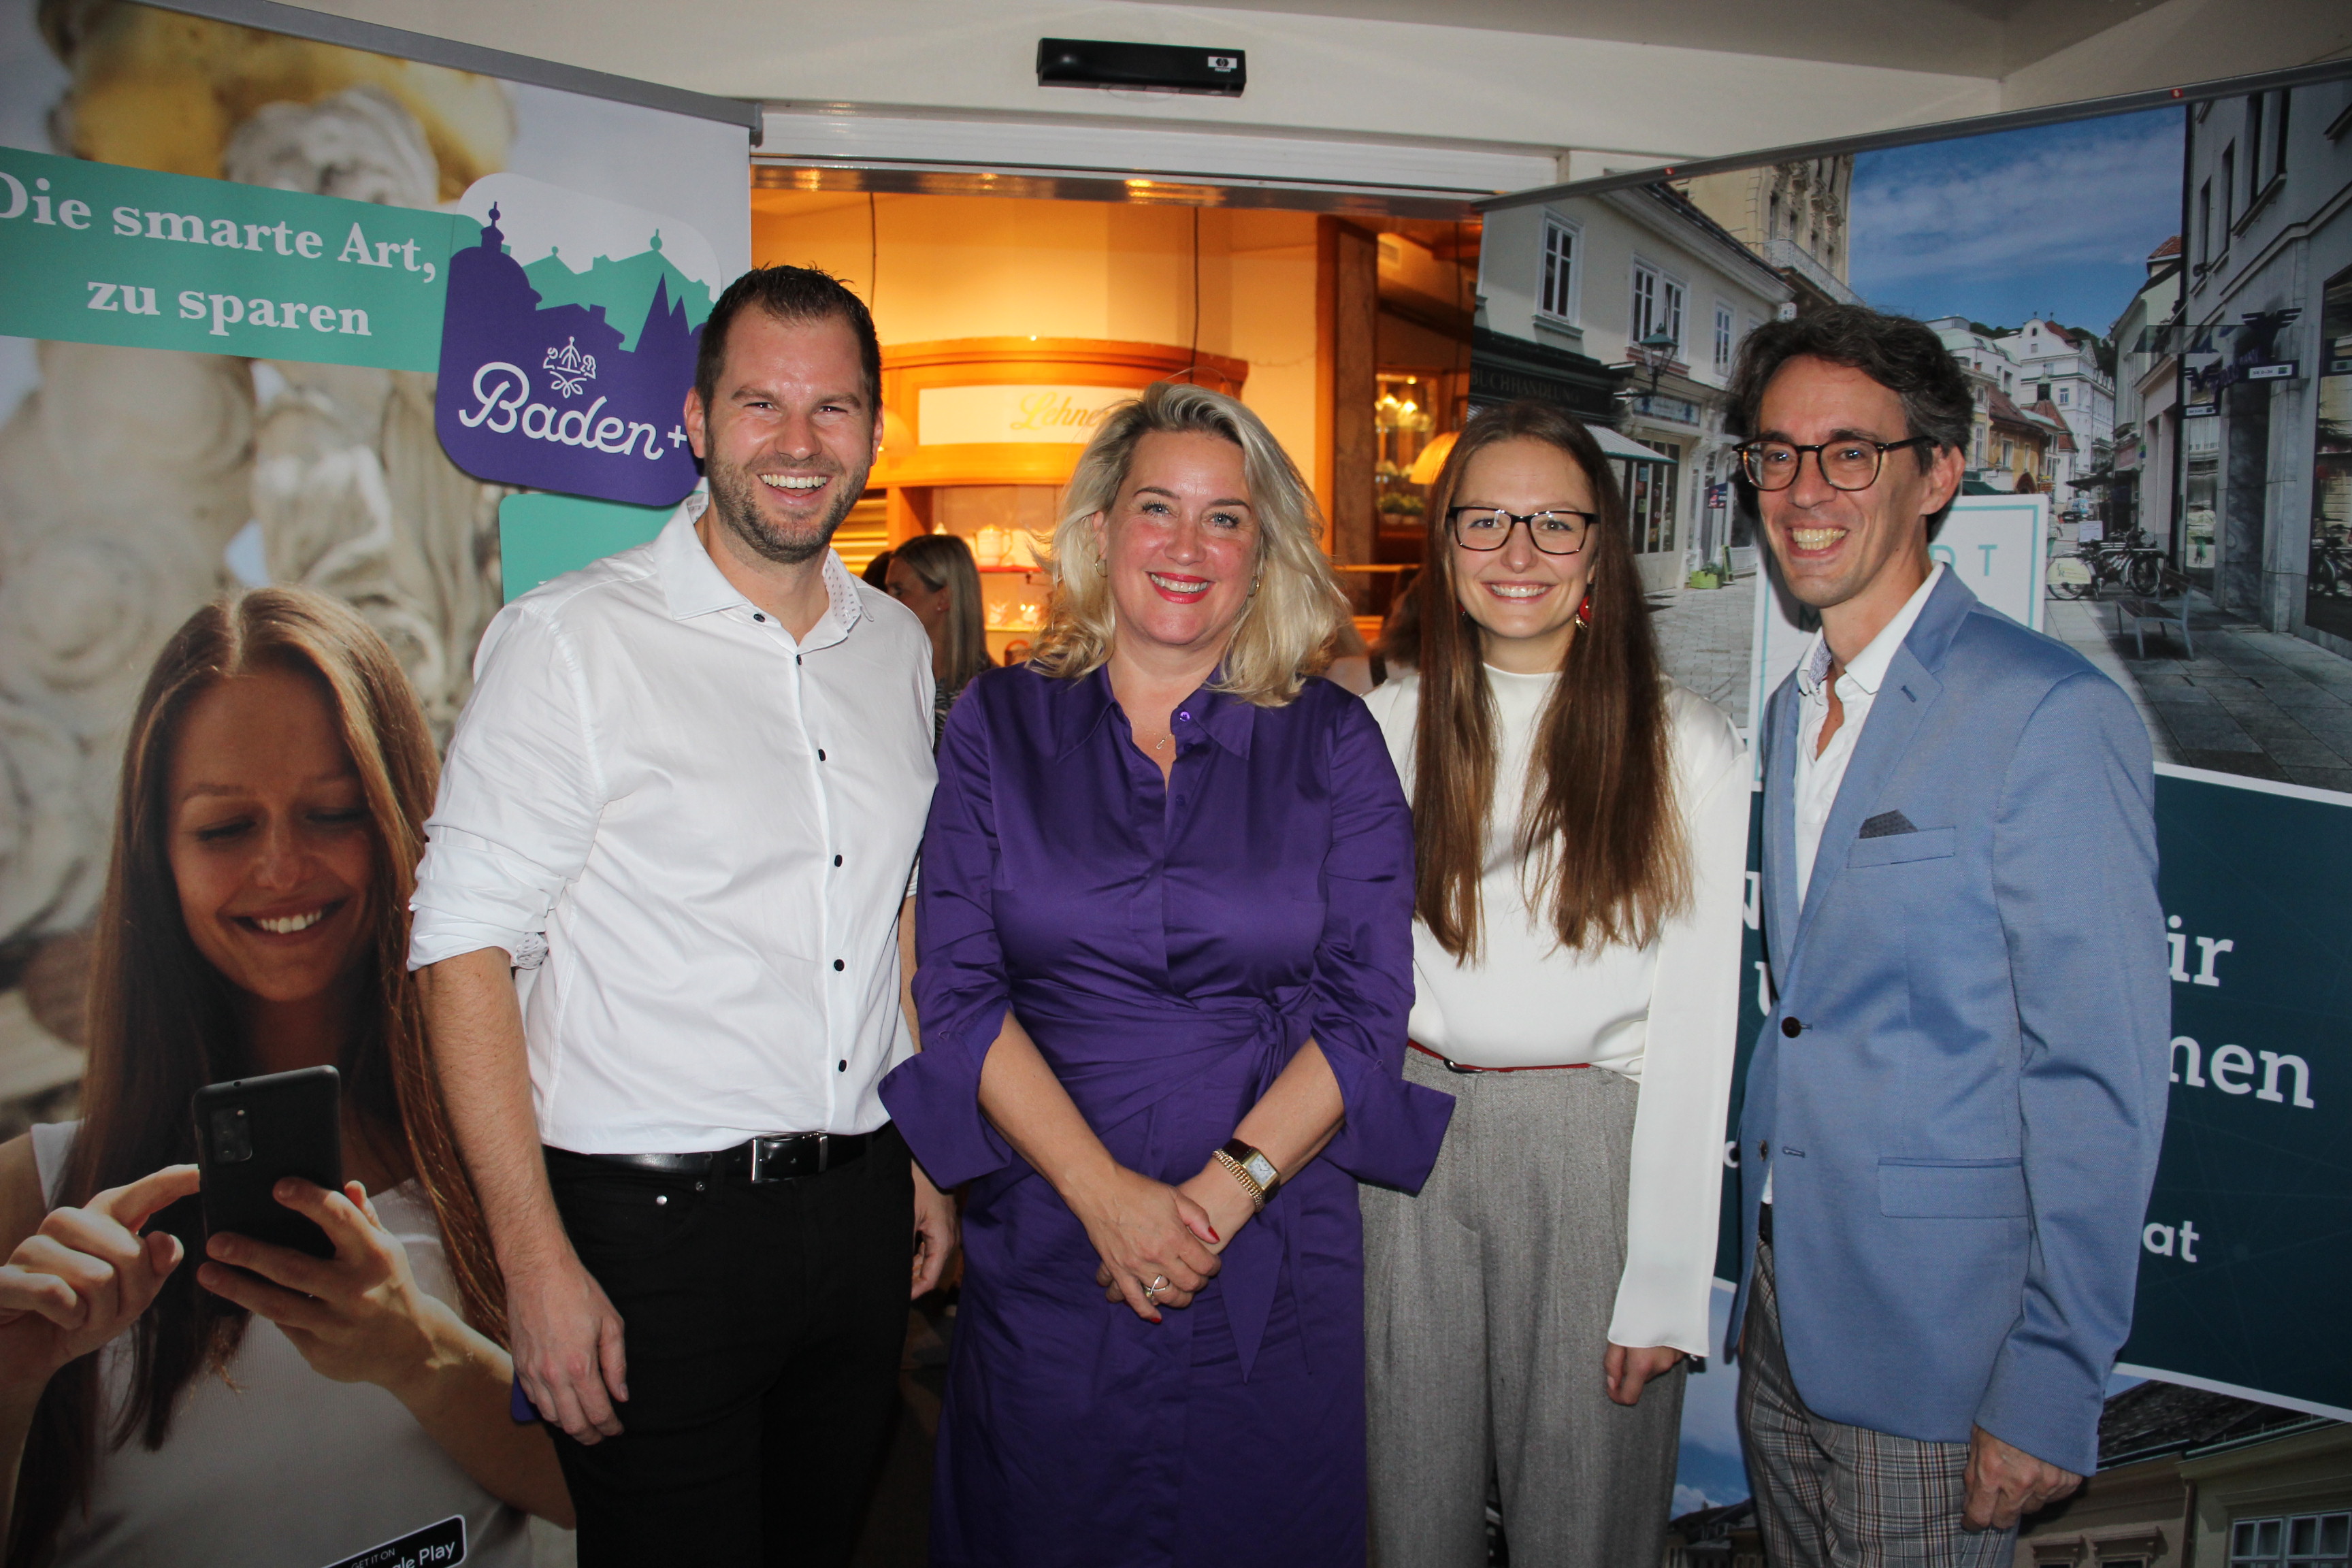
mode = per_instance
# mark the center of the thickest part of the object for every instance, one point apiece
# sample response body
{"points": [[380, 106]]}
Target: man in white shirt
{"points": [[681, 808], [1955, 1104]]}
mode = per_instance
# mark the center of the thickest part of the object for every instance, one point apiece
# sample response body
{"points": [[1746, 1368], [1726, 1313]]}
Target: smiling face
{"points": [[1524, 601], [271, 845], [1180, 545], [790, 435], [1855, 555]]}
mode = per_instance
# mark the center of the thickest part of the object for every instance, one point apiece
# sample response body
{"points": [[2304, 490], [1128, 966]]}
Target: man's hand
{"points": [[2006, 1482], [568, 1347], [935, 1234]]}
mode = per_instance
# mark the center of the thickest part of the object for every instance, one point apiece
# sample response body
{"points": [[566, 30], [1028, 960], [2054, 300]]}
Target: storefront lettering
{"points": [[1054, 411], [502, 398]]}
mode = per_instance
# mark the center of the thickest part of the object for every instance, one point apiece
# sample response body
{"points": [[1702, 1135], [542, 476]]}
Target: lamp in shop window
{"points": [[1432, 459]]}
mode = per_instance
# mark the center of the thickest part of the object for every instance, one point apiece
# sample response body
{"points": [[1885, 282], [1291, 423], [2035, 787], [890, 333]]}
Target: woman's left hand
{"points": [[1629, 1368], [1221, 1197], [357, 1317]]}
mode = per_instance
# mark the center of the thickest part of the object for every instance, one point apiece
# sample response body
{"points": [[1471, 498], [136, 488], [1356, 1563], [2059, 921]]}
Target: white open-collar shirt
{"points": [[693, 834]]}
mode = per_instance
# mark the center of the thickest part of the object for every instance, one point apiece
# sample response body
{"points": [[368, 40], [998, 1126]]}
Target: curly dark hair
{"points": [[788, 294], [1901, 354]]}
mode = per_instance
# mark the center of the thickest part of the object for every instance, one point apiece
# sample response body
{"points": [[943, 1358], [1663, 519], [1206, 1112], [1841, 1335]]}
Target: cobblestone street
{"points": [[2259, 703], [1704, 635]]}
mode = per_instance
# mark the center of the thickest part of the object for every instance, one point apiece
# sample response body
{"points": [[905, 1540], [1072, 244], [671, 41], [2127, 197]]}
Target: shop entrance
{"points": [[1012, 316]]}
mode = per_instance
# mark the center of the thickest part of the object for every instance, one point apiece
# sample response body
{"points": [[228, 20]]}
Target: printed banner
{"points": [[573, 380], [98, 253]]}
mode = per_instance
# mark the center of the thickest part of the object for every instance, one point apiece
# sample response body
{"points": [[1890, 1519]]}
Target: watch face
{"points": [[1262, 1171]]}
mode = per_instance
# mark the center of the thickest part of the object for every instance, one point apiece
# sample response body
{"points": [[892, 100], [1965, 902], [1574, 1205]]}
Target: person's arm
{"points": [[1674, 1185], [73, 1282], [935, 1210], [567, 1337], [521, 793], [361, 1317], [2074, 862], [1142, 1230]]}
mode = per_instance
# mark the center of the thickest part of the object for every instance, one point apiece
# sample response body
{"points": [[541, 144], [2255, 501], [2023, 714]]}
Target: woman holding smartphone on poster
{"points": [[256, 921], [1579, 824]]}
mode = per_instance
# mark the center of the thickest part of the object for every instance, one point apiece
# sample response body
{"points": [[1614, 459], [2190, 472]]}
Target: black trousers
{"points": [[764, 1326]]}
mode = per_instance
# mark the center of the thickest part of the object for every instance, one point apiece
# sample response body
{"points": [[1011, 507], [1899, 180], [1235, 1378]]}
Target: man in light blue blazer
{"points": [[1953, 1113]]}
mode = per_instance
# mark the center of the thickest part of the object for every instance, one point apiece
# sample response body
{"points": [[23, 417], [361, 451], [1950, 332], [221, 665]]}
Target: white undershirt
{"points": [[1819, 778], [1665, 1014]]}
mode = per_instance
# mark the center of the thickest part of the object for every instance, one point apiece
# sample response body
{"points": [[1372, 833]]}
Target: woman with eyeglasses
{"points": [[1581, 826]]}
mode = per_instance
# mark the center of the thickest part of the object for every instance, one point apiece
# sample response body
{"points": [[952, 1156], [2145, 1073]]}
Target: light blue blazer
{"points": [[1961, 1088]]}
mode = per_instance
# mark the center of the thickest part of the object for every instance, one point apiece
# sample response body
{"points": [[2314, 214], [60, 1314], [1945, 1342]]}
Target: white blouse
{"points": [[1665, 1014], [269, 1464]]}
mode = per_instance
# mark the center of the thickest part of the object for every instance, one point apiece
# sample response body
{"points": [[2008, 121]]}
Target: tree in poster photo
{"points": [[271, 808]]}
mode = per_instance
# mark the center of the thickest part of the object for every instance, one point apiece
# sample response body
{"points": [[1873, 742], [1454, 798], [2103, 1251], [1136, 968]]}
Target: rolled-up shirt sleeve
{"points": [[962, 990], [1362, 990], [520, 794]]}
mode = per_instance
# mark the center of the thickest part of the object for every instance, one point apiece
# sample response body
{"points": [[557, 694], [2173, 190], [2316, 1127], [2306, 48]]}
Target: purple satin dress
{"points": [[1168, 947]]}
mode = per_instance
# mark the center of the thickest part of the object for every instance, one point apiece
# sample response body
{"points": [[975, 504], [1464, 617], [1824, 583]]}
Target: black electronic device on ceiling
{"points": [[1149, 68]]}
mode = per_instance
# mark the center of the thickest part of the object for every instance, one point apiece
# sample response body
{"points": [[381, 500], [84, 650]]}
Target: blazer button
{"points": [[1763, 1150], [1791, 1027]]}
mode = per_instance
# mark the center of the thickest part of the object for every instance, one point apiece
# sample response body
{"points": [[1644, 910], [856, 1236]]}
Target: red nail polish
{"points": [[1213, 1235]]}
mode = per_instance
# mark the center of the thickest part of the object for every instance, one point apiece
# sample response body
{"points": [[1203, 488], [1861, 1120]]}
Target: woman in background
{"points": [[270, 814], [934, 575], [1580, 828], [877, 571], [1166, 961]]}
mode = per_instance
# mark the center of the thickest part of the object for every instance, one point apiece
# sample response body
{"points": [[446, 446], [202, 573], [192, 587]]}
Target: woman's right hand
{"points": [[1146, 1230], [85, 1276]]}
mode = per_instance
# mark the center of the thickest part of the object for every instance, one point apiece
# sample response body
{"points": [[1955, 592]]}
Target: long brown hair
{"points": [[944, 560], [1599, 836], [162, 1022]]}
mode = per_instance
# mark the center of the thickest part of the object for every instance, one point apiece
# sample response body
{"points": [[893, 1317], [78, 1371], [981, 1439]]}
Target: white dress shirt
{"points": [[1819, 778], [699, 831], [1665, 1014]]}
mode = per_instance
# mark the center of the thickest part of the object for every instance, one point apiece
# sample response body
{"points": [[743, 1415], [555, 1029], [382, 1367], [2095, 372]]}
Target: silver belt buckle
{"points": [[779, 1145]]}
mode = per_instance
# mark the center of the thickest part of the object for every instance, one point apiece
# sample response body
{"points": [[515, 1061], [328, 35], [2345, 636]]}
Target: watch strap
{"points": [[1252, 1168]]}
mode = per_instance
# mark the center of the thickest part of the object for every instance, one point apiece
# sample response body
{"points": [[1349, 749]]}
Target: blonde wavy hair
{"points": [[1296, 607]]}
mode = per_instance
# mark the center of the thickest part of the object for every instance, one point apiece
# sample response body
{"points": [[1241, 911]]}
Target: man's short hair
{"points": [[1902, 355], [788, 294]]}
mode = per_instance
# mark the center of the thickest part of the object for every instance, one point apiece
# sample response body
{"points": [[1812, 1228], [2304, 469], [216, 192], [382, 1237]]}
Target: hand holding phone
{"points": [[254, 1132]]}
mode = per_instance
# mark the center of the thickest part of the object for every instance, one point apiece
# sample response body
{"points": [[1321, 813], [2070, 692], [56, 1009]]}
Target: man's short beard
{"points": [[734, 496]]}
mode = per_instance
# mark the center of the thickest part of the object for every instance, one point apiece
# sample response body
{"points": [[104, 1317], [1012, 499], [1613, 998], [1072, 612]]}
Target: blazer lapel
{"points": [[1780, 824], [1909, 690]]}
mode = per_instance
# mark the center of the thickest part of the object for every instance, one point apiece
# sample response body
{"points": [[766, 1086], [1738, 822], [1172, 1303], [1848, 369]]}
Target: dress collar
{"points": [[1084, 704]]}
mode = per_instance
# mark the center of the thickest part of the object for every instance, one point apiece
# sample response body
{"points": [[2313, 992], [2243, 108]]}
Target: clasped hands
{"points": [[88, 1273], [1146, 1232]]}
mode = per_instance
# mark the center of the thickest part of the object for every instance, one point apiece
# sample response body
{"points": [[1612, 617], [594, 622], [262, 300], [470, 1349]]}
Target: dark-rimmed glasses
{"points": [[1555, 532], [1852, 464]]}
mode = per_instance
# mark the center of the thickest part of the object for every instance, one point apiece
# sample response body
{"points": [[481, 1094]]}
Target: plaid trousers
{"points": [[1832, 1496]]}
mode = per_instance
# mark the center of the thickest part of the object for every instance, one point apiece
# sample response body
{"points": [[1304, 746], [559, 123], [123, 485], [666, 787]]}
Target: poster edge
{"points": [[2235, 1390]]}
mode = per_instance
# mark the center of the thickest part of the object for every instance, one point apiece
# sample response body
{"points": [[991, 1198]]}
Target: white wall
{"points": [[1629, 103]]}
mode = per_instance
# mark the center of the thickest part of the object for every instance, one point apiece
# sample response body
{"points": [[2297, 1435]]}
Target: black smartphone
{"points": [[254, 1132]]}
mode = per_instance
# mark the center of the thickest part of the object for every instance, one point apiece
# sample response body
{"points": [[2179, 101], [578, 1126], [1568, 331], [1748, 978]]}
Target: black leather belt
{"points": [[784, 1157]]}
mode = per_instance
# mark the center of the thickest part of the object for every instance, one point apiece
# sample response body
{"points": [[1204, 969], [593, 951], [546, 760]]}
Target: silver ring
{"points": [[1159, 1283]]}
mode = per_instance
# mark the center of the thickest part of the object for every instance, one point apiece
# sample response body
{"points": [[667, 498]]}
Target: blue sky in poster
{"points": [[2057, 220]]}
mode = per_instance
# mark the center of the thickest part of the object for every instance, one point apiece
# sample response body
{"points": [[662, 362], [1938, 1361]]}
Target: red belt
{"points": [[1466, 1070]]}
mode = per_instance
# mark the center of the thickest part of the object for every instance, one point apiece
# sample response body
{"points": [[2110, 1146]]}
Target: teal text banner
{"points": [[544, 536], [95, 253]]}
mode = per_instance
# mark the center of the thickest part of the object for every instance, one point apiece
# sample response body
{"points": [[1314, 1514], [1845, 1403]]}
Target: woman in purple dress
{"points": [[1165, 931]]}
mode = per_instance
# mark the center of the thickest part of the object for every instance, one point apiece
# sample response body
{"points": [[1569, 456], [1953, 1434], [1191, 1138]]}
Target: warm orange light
{"points": [[1431, 459]]}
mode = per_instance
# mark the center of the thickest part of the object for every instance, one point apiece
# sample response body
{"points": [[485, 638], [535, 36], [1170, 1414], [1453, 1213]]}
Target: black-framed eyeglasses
{"points": [[1852, 464], [1555, 532]]}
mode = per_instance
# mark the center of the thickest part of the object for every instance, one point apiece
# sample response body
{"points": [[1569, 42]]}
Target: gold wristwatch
{"points": [[1253, 1170]]}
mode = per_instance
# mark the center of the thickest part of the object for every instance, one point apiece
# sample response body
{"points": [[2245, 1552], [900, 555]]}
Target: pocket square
{"points": [[1887, 825]]}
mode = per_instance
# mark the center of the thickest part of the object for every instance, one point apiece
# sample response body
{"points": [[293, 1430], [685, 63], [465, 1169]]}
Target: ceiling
{"points": [[1965, 37]]}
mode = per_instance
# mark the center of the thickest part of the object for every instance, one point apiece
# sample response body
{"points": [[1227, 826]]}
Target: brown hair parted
{"points": [[162, 1022], [1600, 834], [1902, 355], [788, 294], [944, 560], [1298, 605]]}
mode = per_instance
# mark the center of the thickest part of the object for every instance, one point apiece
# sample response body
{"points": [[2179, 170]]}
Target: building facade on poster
{"points": [[1597, 276], [2270, 197], [2147, 404]]}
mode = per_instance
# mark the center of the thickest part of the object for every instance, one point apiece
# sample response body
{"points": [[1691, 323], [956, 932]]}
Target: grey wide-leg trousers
{"points": [[1487, 1304]]}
